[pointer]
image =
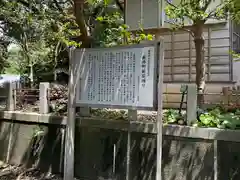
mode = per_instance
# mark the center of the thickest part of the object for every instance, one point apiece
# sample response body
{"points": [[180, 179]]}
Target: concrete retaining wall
{"points": [[185, 156]]}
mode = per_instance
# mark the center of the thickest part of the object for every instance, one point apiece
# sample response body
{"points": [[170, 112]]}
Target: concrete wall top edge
{"points": [[133, 126]]}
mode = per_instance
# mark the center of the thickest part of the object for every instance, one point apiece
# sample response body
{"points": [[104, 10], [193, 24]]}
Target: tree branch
{"points": [[58, 6], [206, 5], [183, 28], [28, 5], [167, 1], [211, 14], [119, 5]]}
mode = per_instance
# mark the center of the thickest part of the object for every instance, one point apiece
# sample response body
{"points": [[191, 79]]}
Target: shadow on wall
{"points": [[228, 159], [45, 149], [5, 129], [95, 157], [102, 153], [182, 158], [36, 145]]}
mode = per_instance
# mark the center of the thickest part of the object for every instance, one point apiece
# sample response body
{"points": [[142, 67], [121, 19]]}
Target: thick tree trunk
{"points": [[200, 62], [79, 15]]}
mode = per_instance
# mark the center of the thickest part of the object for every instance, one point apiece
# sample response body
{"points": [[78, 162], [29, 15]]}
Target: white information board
{"points": [[122, 77]]}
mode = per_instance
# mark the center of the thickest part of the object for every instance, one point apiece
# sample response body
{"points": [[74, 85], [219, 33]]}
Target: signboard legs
{"points": [[132, 115], [159, 113], [70, 126]]}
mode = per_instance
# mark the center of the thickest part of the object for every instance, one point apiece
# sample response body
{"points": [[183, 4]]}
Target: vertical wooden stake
{"points": [[215, 159], [191, 103], [132, 115], [11, 105], [238, 94], [9, 148], [159, 124], [70, 126], [172, 55], [190, 58], [225, 91], [62, 150], [209, 53], [11, 101], [114, 161], [43, 96]]}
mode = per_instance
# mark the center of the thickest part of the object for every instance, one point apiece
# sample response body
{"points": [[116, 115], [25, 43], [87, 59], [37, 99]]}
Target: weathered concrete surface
{"points": [[5, 129], [184, 158], [94, 153], [44, 150], [119, 125], [229, 160]]}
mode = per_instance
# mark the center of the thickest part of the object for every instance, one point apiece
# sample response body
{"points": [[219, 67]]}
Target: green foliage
{"points": [[233, 7], [42, 31], [3, 55], [172, 116], [216, 118], [223, 118], [196, 11], [136, 38], [15, 63], [36, 28], [115, 32]]}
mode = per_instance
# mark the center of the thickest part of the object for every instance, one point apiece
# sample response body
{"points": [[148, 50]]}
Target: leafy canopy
{"points": [[199, 11]]}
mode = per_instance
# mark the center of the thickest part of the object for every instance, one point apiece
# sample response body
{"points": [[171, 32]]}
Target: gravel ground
{"points": [[20, 173]]}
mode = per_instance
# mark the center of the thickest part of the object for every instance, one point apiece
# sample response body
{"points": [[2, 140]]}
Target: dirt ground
{"points": [[8, 172]]}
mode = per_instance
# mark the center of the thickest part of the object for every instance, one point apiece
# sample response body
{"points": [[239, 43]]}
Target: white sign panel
{"points": [[122, 77]]}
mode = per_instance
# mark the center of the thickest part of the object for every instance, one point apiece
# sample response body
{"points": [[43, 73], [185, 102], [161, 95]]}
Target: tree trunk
{"points": [[79, 15], [56, 53], [31, 76], [200, 62]]}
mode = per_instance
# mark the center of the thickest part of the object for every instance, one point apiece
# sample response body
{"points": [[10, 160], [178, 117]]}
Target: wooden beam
{"points": [[70, 125], [160, 111]]}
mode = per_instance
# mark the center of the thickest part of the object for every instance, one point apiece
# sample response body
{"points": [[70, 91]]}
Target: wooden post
{"points": [[132, 115], [43, 96], [114, 161], [238, 95], [215, 159], [191, 103], [159, 124], [10, 142], [70, 126], [225, 92], [62, 150], [232, 95], [209, 53], [11, 105], [172, 55], [11, 101], [190, 58]]}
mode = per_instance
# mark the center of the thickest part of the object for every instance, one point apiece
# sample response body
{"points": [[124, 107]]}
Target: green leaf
{"points": [[100, 18]]}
